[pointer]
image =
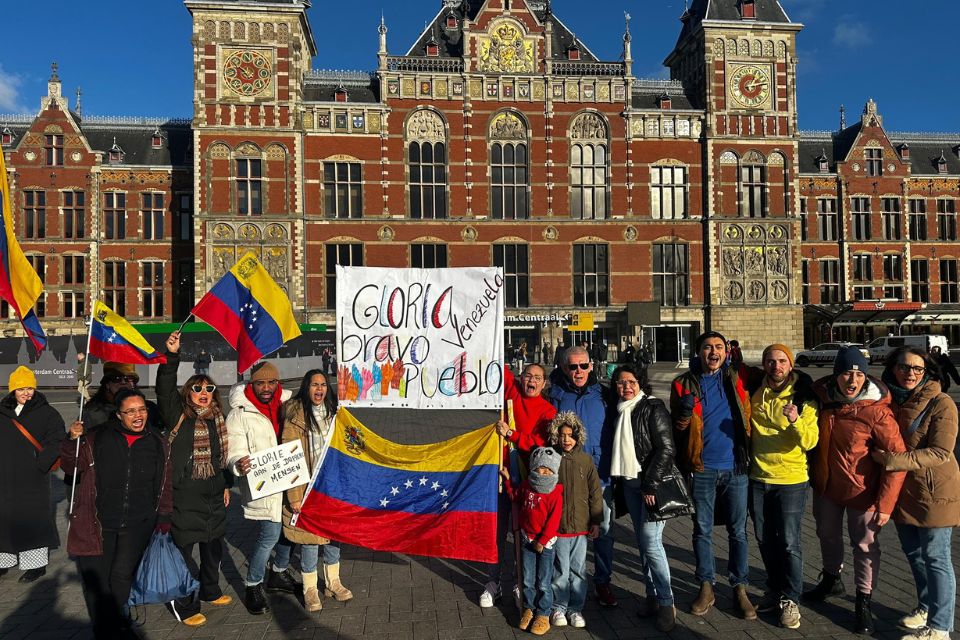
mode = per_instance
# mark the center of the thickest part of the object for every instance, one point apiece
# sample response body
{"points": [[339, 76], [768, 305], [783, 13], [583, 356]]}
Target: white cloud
{"points": [[850, 33], [803, 10], [10, 92]]}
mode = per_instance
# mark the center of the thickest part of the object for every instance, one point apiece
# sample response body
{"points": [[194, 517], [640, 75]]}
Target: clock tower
{"points": [[737, 61], [250, 59]]}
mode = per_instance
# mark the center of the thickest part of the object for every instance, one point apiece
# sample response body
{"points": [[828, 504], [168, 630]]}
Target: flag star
{"points": [[384, 502], [394, 491], [408, 484], [423, 481], [445, 505], [435, 486], [444, 494]]}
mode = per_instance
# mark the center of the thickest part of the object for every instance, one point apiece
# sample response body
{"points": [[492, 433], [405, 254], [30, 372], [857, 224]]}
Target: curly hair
{"points": [[566, 419]]}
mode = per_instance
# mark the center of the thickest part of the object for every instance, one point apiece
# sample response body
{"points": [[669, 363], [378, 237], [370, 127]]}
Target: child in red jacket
{"points": [[540, 498]]}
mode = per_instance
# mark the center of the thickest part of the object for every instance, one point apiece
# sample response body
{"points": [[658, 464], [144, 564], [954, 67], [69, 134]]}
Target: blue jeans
{"points": [[570, 574], [268, 538], [655, 567], [727, 492], [603, 546], [310, 556], [928, 552], [537, 579], [777, 510]]}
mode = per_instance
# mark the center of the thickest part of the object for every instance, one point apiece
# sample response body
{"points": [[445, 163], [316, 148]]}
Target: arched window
{"points": [[589, 174], [427, 163], [753, 186], [509, 169]]}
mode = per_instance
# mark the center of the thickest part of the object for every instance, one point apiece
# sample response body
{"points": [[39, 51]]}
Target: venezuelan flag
{"points": [[431, 500], [113, 338], [250, 311], [20, 285]]}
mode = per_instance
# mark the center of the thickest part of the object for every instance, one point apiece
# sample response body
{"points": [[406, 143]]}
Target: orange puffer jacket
{"points": [[842, 469]]}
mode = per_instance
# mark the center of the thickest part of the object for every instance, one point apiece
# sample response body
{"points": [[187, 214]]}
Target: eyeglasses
{"points": [[906, 368], [133, 412], [627, 383], [209, 388], [573, 366], [123, 379], [528, 376]]}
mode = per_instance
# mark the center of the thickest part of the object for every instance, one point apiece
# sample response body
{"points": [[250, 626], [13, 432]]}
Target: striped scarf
{"points": [[202, 454]]}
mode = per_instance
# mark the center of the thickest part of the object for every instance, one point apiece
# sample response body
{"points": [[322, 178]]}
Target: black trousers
{"points": [[207, 572], [107, 578]]}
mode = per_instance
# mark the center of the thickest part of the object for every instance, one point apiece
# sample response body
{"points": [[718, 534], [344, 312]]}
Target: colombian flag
{"points": [[20, 285], [430, 500], [112, 338], [250, 311]]}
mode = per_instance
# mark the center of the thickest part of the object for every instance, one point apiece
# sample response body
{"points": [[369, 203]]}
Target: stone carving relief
{"points": [[630, 234], [505, 50], [469, 234], [768, 48], [551, 233], [427, 126], [275, 262], [781, 49], [755, 263], [270, 243], [507, 126], [223, 259], [728, 157], [588, 126], [718, 49], [385, 233]]}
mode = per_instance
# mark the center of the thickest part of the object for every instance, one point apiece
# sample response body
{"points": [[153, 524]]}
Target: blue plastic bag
{"points": [[162, 575]]}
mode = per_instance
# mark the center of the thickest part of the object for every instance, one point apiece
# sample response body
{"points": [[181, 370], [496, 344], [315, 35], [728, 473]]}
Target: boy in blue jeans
{"points": [[540, 498]]}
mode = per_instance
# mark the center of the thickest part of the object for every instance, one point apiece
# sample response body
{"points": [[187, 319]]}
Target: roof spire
{"points": [[79, 108], [53, 72], [843, 117]]}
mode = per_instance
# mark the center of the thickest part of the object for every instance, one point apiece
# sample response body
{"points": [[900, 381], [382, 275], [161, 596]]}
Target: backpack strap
{"points": [[36, 445]]}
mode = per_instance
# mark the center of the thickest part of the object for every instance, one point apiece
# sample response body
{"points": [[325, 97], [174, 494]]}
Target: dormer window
{"points": [[433, 49], [452, 22], [823, 163], [116, 153], [6, 136], [748, 9], [340, 94], [904, 151], [664, 101], [941, 163], [573, 52], [156, 140]]}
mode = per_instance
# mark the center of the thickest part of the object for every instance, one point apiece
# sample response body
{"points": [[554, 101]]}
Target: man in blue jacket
{"points": [[574, 387]]}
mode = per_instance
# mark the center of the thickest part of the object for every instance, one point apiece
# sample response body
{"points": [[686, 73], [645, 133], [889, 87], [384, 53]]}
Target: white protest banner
{"points": [[277, 469], [420, 338]]}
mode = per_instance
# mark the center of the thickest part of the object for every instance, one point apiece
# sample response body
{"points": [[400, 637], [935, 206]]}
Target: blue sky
{"points": [[134, 58]]}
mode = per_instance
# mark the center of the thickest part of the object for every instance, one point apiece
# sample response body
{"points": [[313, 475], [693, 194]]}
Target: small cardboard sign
{"points": [[277, 469]]}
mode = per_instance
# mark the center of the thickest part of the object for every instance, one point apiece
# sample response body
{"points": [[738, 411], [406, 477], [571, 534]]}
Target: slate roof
{"points": [[925, 149], [450, 40], [362, 87], [700, 10], [646, 95]]}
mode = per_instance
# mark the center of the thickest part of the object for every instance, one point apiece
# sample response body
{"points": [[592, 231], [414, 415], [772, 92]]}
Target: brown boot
{"points": [[666, 618], [525, 619], [704, 601], [541, 624], [311, 596], [743, 604], [333, 588]]}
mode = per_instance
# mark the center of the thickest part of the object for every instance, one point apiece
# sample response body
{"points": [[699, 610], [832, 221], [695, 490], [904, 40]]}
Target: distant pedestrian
{"points": [[736, 354], [201, 366], [947, 369]]}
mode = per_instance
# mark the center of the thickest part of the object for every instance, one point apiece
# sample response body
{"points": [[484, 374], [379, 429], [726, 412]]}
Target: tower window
{"points": [[748, 10]]}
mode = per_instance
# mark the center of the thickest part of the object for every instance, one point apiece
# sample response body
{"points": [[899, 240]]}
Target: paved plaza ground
{"points": [[407, 597]]}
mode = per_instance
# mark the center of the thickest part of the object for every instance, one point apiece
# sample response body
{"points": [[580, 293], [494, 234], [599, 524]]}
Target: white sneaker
{"points": [[789, 614], [491, 593], [558, 619], [916, 619], [577, 621], [926, 633]]}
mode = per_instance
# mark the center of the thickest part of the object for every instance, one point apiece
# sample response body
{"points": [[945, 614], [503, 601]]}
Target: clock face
{"points": [[247, 73], [750, 85]]}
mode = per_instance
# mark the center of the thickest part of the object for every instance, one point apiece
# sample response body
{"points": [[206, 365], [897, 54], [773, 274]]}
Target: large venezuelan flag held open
{"points": [[431, 500], [20, 285], [113, 338], [250, 311]]}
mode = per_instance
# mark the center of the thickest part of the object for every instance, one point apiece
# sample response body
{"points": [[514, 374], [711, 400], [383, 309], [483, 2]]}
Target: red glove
{"points": [[162, 527]]}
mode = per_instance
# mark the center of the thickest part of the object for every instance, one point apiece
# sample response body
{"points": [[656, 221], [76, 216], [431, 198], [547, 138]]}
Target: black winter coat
{"points": [[199, 514], [26, 516]]}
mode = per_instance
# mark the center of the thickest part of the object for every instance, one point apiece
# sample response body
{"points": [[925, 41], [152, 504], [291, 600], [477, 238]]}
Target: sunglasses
{"points": [[209, 388], [581, 365], [124, 379]]}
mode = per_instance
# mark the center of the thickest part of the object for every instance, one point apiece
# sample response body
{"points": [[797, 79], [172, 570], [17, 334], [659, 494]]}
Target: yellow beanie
{"points": [[22, 378]]}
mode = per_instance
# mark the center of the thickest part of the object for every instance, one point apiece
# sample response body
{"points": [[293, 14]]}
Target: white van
{"points": [[880, 347]]}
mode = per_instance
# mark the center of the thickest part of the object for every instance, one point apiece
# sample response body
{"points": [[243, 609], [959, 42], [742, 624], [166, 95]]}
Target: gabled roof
{"points": [[646, 95], [320, 86], [728, 10], [451, 40], [136, 141], [925, 149]]}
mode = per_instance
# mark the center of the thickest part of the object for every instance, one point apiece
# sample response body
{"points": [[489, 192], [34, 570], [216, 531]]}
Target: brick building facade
{"points": [[659, 207]]}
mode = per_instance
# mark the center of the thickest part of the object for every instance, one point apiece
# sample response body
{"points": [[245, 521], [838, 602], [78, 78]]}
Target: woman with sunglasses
{"points": [[193, 418], [308, 417], [929, 505]]}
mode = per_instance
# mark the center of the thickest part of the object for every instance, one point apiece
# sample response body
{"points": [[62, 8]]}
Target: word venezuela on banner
{"points": [[420, 338], [250, 311], [113, 338], [432, 500]]}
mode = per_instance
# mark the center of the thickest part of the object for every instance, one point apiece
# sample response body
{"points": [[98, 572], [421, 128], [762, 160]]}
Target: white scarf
{"points": [[623, 462]]}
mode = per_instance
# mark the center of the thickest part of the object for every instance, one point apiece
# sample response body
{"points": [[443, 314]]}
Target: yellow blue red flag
{"points": [[20, 285], [432, 499], [113, 338], [250, 311]]}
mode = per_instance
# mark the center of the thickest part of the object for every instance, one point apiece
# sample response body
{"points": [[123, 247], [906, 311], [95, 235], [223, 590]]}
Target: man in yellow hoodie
{"points": [[784, 428]]}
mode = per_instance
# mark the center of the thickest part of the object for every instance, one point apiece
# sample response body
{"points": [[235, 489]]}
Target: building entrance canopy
{"points": [[864, 313]]}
